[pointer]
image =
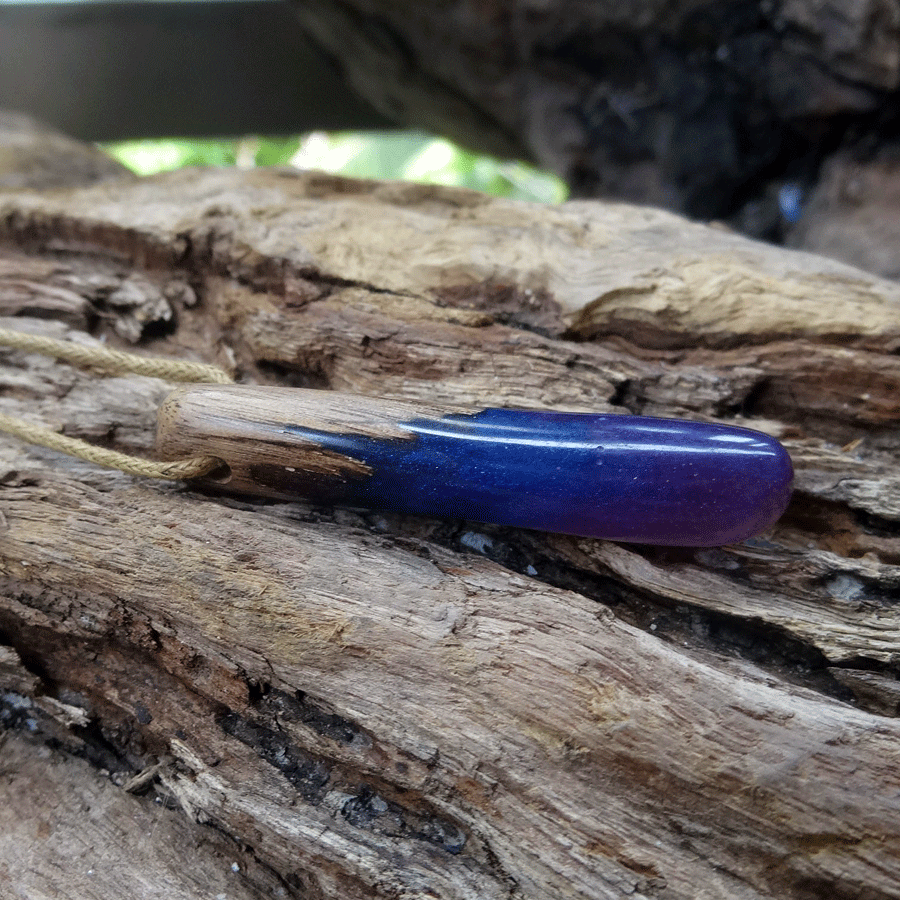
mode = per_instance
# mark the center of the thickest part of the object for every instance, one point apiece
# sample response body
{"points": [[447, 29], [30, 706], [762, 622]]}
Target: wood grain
{"points": [[380, 706], [70, 832]]}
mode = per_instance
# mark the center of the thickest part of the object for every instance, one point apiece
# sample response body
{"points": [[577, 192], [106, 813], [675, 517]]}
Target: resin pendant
{"points": [[623, 478]]}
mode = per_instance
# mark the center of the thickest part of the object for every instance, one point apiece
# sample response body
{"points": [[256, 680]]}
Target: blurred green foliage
{"points": [[405, 155]]}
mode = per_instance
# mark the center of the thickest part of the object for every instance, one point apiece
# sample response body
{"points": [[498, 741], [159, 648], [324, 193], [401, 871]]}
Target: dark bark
{"points": [[715, 109]]}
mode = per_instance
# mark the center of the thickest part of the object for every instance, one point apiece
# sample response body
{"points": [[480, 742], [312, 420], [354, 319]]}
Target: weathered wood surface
{"points": [[377, 706], [34, 156], [68, 831]]}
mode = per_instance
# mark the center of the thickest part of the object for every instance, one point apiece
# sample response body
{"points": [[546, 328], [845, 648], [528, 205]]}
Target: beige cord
{"points": [[194, 467], [119, 363], [115, 362]]}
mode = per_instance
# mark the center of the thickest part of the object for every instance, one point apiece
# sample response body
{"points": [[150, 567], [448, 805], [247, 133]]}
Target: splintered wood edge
{"points": [[253, 428]]}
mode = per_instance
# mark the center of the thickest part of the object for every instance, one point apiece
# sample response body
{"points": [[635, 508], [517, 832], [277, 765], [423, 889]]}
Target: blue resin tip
{"points": [[624, 478]]}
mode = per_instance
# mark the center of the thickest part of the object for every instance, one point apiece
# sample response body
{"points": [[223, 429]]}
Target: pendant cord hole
{"points": [[221, 474]]}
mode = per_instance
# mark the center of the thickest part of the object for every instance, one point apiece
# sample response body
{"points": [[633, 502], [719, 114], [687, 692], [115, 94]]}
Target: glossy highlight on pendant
{"points": [[623, 478]]}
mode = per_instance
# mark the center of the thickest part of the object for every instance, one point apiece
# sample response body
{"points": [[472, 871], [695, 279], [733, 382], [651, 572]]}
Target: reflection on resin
{"points": [[655, 481]]}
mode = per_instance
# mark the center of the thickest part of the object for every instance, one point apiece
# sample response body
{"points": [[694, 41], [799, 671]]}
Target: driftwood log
{"points": [[364, 705]]}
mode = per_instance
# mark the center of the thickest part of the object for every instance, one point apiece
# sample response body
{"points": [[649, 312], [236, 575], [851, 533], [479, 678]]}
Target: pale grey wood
{"points": [[68, 832], [365, 701]]}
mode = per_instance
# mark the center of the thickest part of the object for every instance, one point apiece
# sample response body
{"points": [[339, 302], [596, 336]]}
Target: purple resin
{"points": [[625, 478]]}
